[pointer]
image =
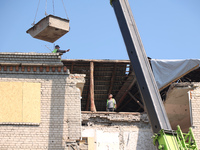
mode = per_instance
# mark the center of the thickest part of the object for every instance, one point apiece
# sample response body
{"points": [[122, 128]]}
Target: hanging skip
{"points": [[50, 28]]}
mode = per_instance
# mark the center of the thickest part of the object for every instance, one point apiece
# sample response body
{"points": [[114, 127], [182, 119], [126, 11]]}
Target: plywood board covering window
{"points": [[19, 102]]}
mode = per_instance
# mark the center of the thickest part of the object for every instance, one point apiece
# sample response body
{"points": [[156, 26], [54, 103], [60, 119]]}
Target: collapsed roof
{"points": [[117, 77]]}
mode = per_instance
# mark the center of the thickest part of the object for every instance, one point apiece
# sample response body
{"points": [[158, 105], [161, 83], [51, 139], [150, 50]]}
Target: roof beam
{"points": [[136, 100], [92, 104], [124, 90], [127, 102], [96, 60]]}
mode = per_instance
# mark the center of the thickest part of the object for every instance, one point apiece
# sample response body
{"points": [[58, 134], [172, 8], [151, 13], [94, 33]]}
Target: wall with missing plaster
{"points": [[182, 105], [194, 96], [116, 131]]}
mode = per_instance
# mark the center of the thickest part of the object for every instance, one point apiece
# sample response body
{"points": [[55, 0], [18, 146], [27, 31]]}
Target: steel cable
{"points": [[36, 13], [65, 10]]}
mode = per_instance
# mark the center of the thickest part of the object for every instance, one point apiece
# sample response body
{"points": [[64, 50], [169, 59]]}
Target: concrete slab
{"points": [[49, 29]]}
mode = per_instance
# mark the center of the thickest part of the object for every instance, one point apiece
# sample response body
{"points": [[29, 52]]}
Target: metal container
{"points": [[49, 29]]}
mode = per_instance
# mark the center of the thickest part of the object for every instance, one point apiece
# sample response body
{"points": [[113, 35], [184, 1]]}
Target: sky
{"points": [[169, 29]]}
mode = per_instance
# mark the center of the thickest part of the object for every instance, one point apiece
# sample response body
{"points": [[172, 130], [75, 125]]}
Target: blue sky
{"points": [[169, 29]]}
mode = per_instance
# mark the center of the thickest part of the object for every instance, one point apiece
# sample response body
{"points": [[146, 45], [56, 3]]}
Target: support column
{"points": [[92, 104]]}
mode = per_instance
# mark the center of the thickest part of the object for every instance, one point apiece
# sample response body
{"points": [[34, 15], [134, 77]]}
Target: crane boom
{"points": [[146, 82], [164, 137]]}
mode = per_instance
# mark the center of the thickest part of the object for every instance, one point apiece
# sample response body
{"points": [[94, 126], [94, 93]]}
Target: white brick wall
{"points": [[195, 104], [118, 131], [60, 114]]}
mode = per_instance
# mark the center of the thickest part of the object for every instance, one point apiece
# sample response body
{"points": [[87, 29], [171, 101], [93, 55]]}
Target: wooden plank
{"points": [[96, 60], [17, 103], [11, 100], [137, 101], [92, 104], [31, 104], [125, 92]]}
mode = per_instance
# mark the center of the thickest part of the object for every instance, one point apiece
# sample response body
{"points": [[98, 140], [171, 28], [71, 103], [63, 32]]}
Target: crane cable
{"points": [[53, 7], [63, 7], [36, 14], [46, 9], [65, 10]]}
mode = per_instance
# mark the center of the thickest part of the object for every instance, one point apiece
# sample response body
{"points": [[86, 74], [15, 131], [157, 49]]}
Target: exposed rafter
{"points": [[136, 100], [112, 79], [125, 89]]}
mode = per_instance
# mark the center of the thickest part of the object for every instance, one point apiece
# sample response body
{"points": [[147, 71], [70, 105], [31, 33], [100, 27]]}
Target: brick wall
{"points": [[117, 131], [60, 103], [195, 113]]}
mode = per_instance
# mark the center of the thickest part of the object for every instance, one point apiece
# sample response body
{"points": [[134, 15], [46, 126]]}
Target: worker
{"points": [[111, 104], [57, 50]]}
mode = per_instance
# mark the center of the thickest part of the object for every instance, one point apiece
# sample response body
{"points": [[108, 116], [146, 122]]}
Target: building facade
{"points": [[40, 102], [40, 106]]}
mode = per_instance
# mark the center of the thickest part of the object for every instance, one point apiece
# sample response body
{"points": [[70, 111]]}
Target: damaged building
{"points": [[51, 104]]}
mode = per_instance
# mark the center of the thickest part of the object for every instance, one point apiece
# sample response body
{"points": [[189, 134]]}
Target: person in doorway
{"points": [[111, 104], [57, 50]]}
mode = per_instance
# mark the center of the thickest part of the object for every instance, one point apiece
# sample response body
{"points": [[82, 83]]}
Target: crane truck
{"points": [[164, 137]]}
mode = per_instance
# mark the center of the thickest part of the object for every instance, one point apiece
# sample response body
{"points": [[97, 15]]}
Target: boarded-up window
{"points": [[19, 102]]}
